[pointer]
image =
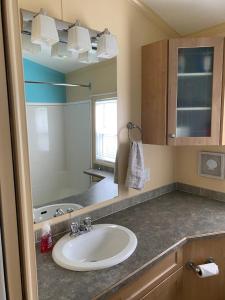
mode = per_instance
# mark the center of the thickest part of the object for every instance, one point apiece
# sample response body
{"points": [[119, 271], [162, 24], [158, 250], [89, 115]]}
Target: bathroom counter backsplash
{"points": [[161, 225], [109, 209]]}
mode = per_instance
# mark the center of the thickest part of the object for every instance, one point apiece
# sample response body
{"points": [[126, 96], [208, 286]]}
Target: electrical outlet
{"points": [[147, 174]]}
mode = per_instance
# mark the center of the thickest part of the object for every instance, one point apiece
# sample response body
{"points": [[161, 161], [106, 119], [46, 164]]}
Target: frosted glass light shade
{"points": [[88, 57], [107, 46], [60, 51], [28, 47], [44, 30], [79, 39], [46, 50]]}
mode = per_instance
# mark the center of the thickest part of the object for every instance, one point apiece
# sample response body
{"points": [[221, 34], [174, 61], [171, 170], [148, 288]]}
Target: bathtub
{"points": [[49, 211]]}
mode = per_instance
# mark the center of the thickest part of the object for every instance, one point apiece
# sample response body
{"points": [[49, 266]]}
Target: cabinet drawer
{"points": [[169, 289], [143, 284]]}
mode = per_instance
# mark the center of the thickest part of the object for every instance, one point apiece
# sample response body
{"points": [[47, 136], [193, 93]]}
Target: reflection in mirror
{"points": [[71, 109]]}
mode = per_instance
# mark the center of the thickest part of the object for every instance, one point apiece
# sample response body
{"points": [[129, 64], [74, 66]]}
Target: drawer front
{"points": [[169, 289], [143, 284]]}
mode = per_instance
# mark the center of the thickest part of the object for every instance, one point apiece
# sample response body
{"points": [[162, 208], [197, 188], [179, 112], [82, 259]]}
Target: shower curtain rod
{"points": [[59, 84]]}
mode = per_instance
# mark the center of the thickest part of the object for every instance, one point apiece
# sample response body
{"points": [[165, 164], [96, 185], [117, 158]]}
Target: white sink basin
{"points": [[104, 246]]}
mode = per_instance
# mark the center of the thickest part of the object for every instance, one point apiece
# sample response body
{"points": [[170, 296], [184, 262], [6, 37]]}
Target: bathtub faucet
{"points": [[59, 212]]}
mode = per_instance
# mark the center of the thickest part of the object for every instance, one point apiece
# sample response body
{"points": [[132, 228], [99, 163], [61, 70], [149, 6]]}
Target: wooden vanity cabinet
{"points": [[181, 91], [198, 251], [162, 281], [170, 279], [169, 289]]}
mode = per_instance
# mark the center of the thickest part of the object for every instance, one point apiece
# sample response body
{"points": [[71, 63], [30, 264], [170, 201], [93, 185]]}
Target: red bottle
{"points": [[46, 243]]}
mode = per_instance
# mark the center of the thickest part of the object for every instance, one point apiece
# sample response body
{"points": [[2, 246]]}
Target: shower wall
{"points": [[59, 137], [78, 144]]}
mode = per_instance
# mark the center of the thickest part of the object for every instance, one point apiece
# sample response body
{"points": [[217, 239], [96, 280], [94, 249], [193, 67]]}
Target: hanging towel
{"points": [[136, 169]]}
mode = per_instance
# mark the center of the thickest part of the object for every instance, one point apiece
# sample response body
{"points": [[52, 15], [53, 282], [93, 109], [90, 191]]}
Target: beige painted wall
{"points": [[134, 26], [103, 78], [186, 164], [186, 167]]}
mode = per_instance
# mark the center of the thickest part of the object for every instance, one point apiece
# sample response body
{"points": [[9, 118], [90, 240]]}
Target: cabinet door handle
{"points": [[172, 135]]}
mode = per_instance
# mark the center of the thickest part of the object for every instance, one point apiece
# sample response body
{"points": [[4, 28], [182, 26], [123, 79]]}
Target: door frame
{"points": [[8, 215], [17, 118], [217, 43]]}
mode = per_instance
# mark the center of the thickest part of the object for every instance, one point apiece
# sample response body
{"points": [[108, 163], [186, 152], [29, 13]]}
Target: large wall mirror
{"points": [[71, 109]]}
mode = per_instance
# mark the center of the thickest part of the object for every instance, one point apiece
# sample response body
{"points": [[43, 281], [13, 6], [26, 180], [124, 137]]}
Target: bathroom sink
{"points": [[104, 246]]}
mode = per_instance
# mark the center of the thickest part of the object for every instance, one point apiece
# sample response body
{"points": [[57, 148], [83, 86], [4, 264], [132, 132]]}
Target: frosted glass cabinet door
{"points": [[194, 96]]}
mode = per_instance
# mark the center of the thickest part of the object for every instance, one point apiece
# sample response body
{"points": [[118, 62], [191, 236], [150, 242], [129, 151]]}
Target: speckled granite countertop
{"points": [[160, 224]]}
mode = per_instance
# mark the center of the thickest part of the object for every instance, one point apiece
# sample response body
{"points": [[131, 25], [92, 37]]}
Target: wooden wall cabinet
{"points": [[182, 91]]}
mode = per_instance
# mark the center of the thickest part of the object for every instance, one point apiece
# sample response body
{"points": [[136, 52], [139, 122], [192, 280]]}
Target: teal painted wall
{"points": [[43, 93]]}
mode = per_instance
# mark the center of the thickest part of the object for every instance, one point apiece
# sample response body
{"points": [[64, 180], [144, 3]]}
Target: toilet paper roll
{"points": [[208, 270]]}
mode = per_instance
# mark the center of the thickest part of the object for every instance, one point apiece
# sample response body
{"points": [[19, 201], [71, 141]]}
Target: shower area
{"points": [[59, 137]]}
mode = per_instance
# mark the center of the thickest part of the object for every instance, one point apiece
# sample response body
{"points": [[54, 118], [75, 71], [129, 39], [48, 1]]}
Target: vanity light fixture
{"points": [[59, 50], [44, 31], [107, 45], [88, 57], [28, 47], [79, 39]]}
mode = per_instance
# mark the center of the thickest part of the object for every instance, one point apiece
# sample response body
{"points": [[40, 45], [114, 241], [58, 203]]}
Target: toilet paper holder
{"points": [[192, 266]]}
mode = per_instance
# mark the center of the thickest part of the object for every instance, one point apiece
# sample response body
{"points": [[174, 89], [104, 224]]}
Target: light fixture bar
{"points": [[59, 84], [93, 39]]}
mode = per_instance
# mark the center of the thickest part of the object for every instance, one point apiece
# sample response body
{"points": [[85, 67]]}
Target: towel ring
{"points": [[131, 126]]}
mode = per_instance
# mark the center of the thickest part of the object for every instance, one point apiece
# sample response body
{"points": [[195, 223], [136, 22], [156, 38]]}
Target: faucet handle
{"points": [[59, 212], [87, 221], [74, 228], [86, 226]]}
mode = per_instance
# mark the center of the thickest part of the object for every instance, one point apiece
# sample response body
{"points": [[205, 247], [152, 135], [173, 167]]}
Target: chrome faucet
{"points": [[86, 226], [59, 212], [74, 229], [78, 229]]}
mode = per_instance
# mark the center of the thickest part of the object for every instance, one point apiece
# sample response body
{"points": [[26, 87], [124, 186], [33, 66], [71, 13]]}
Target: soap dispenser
{"points": [[46, 243]]}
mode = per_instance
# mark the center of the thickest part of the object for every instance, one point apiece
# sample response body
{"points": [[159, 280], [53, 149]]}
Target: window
{"points": [[106, 130]]}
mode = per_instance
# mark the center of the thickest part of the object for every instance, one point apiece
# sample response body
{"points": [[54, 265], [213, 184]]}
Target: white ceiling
{"points": [[188, 16]]}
